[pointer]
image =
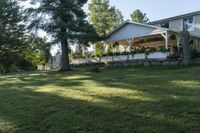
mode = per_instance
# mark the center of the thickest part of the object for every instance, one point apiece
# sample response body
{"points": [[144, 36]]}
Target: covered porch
{"points": [[134, 37]]}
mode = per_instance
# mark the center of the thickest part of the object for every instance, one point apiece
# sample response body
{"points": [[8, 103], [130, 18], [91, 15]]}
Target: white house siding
{"points": [[56, 61], [176, 25], [132, 30], [196, 30], [159, 25]]}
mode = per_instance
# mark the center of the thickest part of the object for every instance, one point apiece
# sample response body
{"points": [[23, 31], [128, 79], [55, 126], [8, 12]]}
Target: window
{"points": [[165, 25], [188, 24]]}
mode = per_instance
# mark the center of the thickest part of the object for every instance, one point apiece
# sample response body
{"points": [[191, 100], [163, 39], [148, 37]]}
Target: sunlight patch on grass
{"points": [[4, 125], [188, 84], [76, 77], [93, 92], [11, 81]]}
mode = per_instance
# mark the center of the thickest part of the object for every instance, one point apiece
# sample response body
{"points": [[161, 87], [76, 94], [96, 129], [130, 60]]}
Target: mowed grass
{"points": [[115, 100]]}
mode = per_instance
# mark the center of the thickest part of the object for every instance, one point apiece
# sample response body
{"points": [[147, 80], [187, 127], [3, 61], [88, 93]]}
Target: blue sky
{"points": [[156, 9]]}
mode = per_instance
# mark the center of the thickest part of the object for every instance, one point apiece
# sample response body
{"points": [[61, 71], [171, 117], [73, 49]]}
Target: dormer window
{"points": [[165, 25], [188, 24]]}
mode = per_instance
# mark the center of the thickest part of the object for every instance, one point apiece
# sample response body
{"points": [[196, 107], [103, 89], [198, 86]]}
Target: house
{"points": [[189, 22], [56, 60], [161, 34]]}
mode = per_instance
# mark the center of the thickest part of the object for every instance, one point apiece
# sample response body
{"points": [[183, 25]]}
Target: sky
{"points": [[156, 9]]}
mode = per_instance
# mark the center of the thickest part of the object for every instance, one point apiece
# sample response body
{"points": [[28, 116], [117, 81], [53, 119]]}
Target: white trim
{"points": [[146, 25], [181, 24], [146, 35], [166, 39], [130, 41], [166, 43]]}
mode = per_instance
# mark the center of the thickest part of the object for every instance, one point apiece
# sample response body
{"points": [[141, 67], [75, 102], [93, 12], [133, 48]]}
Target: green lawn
{"points": [[117, 100]]}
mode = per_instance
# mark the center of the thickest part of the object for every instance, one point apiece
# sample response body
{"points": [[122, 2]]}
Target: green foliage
{"points": [[95, 69], [38, 51], [99, 49], [11, 35], [139, 17], [64, 20], [174, 56], [76, 55], [172, 37], [100, 52], [175, 49], [104, 17], [111, 49], [12, 68], [87, 55], [195, 53], [138, 50], [2, 69], [150, 50], [163, 49]]}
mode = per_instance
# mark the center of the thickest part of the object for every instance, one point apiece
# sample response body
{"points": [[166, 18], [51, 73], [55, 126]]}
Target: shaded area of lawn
{"points": [[153, 99]]}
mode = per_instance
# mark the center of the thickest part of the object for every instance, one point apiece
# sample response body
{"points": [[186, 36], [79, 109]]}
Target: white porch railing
{"points": [[140, 56]]}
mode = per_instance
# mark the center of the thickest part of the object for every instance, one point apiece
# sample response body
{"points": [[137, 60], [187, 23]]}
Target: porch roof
{"points": [[134, 30]]}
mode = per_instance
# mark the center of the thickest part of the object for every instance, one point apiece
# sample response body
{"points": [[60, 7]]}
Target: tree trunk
{"points": [[65, 66], [83, 49]]}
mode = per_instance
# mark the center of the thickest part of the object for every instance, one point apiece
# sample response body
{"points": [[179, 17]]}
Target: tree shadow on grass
{"points": [[32, 111]]}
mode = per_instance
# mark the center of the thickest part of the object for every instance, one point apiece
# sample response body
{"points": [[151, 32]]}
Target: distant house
{"points": [[56, 60], [161, 34]]}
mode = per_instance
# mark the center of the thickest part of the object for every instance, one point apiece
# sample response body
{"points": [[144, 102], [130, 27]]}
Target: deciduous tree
{"points": [[139, 17], [104, 17]]}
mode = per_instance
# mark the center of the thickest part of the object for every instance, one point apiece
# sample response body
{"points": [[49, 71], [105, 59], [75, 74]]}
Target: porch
{"points": [[140, 38]]}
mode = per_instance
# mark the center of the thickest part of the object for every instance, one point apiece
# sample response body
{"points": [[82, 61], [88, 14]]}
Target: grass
{"points": [[118, 100]]}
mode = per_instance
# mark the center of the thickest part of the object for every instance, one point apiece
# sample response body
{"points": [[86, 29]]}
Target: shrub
{"points": [[26, 65], [163, 50], [175, 56], [175, 49], [12, 68], [99, 50], [87, 55], [92, 55], [1, 69], [173, 37], [142, 50], [117, 53], [152, 50], [95, 69], [195, 53]]}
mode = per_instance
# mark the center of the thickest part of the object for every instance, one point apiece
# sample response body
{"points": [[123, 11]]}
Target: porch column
{"points": [[106, 46], [166, 39], [130, 41], [178, 42]]}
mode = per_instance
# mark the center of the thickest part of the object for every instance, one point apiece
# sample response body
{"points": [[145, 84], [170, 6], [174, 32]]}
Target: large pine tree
{"points": [[64, 20]]}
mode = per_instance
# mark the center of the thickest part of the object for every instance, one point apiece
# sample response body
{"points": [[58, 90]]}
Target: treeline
{"points": [[19, 49], [63, 20]]}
